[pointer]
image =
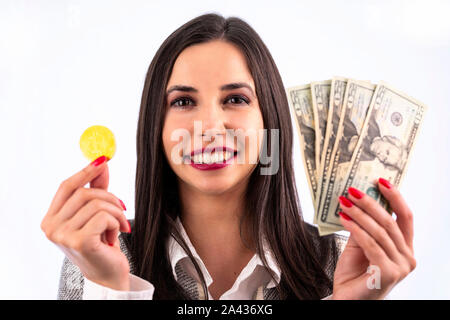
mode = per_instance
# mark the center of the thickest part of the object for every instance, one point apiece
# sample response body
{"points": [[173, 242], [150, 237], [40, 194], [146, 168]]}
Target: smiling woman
{"points": [[209, 226], [219, 72], [212, 227]]}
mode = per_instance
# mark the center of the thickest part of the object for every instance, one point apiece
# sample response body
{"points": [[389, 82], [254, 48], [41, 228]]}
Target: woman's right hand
{"points": [[85, 223]]}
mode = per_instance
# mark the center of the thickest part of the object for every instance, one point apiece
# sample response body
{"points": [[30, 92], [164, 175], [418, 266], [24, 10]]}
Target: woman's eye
{"points": [[238, 100], [180, 103], [185, 102]]}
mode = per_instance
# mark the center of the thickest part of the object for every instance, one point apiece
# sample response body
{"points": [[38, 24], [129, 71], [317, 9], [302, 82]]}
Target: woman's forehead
{"points": [[210, 64]]}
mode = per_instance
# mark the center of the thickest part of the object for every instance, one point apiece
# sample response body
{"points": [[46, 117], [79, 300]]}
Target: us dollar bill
{"points": [[300, 100], [323, 231], [337, 92], [320, 101], [389, 135], [358, 97]]}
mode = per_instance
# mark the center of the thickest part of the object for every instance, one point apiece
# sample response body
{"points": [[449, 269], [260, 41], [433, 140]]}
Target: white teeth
{"points": [[211, 158], [208, 158], [198, 158]]}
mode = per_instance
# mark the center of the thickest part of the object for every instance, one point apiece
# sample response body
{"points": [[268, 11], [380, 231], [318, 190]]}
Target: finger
{"points": [[401, 209], [81, 197], [106, 238], [101, 222], [86, 213], [78, 180], [370, 247], [111, 237], [381, 216], [102, 180], [368, 224], [351, 242]]}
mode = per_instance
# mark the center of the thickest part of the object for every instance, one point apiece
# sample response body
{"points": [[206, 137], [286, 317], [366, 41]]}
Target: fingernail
{"points": [[355, 192], [123, 205], [129, 226], [111, 244], [385, 183], [346, 217], [345, 202], [99, 161]]}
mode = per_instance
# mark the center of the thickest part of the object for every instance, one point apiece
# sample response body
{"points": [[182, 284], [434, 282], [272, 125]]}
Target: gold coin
{"points": [[97, 141]]}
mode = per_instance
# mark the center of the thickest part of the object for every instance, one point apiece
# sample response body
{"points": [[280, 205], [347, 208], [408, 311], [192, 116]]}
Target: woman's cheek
{"points": [[172, 147]]}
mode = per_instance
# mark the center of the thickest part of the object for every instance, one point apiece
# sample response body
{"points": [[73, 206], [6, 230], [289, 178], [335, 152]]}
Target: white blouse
{"points": [[249, 280]]}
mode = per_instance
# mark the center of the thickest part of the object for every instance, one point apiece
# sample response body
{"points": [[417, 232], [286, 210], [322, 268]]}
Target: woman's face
{"points": [[207, 69]]}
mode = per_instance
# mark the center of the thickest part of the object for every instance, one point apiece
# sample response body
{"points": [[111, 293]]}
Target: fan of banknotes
{"points": [[352, 133]]}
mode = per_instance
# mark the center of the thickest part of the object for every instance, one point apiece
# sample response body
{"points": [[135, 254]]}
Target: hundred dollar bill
{"points": [[301, 104], [320, 100], [389, 135], [358, 97], [337, 91]]}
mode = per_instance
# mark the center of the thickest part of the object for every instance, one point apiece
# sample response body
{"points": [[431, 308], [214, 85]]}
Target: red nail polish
{"points": [[346, 217], [355, 192], [385, 183], [99, 161], [345, 202], [123, 205], [111, 244], [129, 226]]}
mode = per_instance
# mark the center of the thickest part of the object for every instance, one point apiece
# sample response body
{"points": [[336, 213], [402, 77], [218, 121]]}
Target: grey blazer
{"points": [[71, 281]]}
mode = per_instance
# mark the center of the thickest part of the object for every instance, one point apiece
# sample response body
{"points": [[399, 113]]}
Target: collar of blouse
{"points": [[255, 267]]}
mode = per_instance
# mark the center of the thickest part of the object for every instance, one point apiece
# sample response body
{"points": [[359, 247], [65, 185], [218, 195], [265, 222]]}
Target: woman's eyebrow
{"points": [[229, 86], [237, 85], [181, 88]]}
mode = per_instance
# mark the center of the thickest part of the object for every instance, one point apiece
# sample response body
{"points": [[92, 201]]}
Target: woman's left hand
{"points": [[379, 252]]}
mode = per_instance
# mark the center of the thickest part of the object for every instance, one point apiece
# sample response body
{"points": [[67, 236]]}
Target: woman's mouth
{"points": [[211, 158]]}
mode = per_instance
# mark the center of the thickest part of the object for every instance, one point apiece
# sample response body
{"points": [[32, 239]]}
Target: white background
{"points": [[66, 65]]}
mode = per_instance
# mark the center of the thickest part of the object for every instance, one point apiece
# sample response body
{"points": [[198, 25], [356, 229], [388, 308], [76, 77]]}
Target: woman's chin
{"points": [[213, 185], [215, 182]]}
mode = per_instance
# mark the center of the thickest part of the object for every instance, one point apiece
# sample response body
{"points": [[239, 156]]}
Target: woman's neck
{"points": [[212, 221]]}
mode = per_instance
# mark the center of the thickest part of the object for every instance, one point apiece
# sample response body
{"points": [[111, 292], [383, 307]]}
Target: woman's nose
{"points": [[212, 119]]}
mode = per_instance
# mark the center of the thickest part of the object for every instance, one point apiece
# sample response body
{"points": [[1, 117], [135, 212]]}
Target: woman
{"points": [[228, 233]]}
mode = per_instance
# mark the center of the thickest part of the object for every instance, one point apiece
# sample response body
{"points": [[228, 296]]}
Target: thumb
{"points": [[102, 180], [351, 242]]}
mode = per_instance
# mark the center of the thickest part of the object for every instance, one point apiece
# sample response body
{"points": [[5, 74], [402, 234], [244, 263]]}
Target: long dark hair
{"points": [[272, 205]]}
